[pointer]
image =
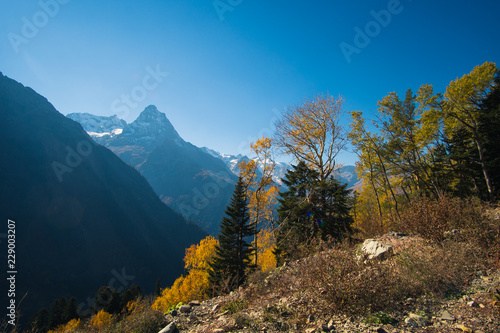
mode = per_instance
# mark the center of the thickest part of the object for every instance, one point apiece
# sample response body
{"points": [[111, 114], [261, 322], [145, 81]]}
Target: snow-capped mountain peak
{"points": [[98, 124], [152, 124]]}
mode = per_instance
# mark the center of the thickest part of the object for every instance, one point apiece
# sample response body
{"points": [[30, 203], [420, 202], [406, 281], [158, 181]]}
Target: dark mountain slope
{"points": [[81, 213]]}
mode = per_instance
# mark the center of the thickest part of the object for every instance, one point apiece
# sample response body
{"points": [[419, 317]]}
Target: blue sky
{"points": [[223, 70]]}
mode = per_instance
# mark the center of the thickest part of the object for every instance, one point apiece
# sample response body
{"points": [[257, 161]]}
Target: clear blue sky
{"points": [[229, 68]]}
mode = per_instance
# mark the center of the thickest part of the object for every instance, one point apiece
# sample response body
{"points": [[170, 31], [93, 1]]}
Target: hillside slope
{"points": [[83, 217]]}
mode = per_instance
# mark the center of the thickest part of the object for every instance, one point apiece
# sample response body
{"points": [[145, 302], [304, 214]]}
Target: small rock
{"points": [[464, 328], [409, 301], [381, 330], [170, 328], [185, 309], [447, 316], [325, 327], [396, 235], [173, 313], [414, 320], [331, 325], [218, 330], [215, 307], [195, 303], [310, 330], [472, 304]]}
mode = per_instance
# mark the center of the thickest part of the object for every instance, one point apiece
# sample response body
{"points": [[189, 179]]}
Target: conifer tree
{"points": [[232, 260], [40, 321], [158, 287], [56, 314], [311, 208], [70, 312]]}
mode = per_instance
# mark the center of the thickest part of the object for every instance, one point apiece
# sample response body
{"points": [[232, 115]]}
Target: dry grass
{"points": [[432, 262]]}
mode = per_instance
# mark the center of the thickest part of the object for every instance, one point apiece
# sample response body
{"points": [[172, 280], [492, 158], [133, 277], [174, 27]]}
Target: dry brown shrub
{"points": [[337, 282], [438, 219], [345, 285]]}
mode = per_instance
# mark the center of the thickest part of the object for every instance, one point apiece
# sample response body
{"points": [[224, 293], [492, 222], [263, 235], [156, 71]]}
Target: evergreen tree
{"points": [[40, 321], [70, 312], [489, 129], [56, 314], [311, 208], [158, 288], [232, 259], [130, 294]]}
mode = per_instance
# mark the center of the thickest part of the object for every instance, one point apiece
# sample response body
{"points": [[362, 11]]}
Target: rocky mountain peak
{"points": [[152, 124], [151, 114]]}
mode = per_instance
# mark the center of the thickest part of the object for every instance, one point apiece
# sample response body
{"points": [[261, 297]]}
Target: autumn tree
{"points": [[462, 107], [266, 249], [410, 138], [101, 320], [195, 285], [489, 123], [232, 260], [373, 166], [311, 133], [428, 143], [257, 175]]}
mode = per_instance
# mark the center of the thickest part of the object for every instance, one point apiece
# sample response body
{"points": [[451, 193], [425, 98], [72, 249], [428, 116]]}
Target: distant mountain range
{"points": [[185, 177], [346, 174], [197, 182], [233, 161], [83, 217]]}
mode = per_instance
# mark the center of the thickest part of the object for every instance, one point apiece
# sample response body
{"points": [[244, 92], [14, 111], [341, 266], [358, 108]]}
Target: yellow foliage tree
{"points": [[267, 245], [195, 284], [311, 132], [260, 189], [69, 327], [198, 256], [101, 320]]}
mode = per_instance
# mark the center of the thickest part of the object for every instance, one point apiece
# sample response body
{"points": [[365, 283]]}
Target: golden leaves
{"points": [[311, 132], [266, 247], [195, 285], [69, 327], [101, 320]]}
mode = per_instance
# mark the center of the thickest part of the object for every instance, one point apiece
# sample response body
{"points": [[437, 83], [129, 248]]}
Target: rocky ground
{"points": [[470, 311]]}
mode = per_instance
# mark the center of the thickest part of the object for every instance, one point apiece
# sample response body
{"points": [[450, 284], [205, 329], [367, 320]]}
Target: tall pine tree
{"points": [[232, 260]]}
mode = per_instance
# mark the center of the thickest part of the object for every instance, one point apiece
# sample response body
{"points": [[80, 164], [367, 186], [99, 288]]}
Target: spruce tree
{"points": [[312, 208], [70, 312], [232, 260]]}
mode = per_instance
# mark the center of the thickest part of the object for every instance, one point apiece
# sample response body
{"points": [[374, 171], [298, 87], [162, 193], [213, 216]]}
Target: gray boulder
{"points": [[170, 328], [373, 249]]}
